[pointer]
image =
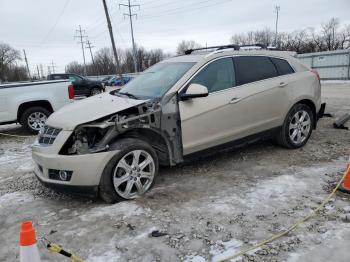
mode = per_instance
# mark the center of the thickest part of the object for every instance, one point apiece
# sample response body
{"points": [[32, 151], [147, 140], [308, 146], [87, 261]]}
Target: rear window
{"points": [[253, 68], [283, 67]]}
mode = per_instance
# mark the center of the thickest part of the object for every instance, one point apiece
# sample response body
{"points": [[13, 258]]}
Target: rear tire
{"points": [[95, 91], [34, 118], [116, 179], [297, 127]]}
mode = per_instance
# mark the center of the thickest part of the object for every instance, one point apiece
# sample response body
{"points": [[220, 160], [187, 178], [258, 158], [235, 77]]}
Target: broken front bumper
{"points": [[84, 170]]}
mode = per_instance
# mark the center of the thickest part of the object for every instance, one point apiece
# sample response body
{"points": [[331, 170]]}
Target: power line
{"points": [[130, 15], [183, 9], [81, 36], [56, 22]]}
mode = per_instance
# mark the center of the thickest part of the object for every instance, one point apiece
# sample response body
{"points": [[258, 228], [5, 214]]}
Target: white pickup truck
{"points": [[31, 103]]}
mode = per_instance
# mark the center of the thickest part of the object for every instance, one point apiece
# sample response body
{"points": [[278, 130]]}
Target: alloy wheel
{"points": [[134, 173], [36, 120], [299, 127]]}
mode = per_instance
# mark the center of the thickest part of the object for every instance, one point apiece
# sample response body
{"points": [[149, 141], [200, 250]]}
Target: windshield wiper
{"points": [[128, 95]]}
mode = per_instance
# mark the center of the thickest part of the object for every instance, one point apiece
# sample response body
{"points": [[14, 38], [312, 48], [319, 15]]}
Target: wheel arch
{"points": [[312, 106], [155, 139], [24, 106]]}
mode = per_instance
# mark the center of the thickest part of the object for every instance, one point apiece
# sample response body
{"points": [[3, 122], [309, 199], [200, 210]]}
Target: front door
{"points": [[205, 122]]}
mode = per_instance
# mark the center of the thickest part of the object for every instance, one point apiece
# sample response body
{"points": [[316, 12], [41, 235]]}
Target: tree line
{"points": [[104, 63], [331, 35]]}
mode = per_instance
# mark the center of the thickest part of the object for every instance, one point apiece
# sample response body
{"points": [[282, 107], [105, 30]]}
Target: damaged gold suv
{"points": [[112, 144]]}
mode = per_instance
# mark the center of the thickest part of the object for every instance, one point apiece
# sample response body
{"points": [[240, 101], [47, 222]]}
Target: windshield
{"points": [[157, 80]]}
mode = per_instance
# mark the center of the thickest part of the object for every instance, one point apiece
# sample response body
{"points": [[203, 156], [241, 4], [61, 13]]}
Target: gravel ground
{"points": [[206, 209]]}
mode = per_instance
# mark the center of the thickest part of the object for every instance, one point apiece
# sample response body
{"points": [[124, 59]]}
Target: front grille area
{"points": [[47, 135]]}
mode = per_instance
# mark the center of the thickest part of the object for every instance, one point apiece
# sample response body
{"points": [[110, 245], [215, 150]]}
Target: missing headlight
{"points": [[84, 140]]}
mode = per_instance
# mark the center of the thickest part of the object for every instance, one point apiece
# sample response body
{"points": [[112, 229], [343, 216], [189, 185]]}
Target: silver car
{"points": [[112, 144]]}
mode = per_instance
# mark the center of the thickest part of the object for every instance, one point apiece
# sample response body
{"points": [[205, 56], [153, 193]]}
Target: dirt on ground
{"points": [[202, 211]]}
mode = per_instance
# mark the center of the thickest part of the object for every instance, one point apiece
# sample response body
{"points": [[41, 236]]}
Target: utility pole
{"points": [[112, 41], [277, 9], [42, 70], [88, 43], [37, 68], [130, 15], [81, 36], [48, 70], [53, 66], [26, 60]]}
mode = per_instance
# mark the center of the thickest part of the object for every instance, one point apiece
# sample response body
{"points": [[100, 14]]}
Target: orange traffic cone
{"points": [[27, 239], [345, 186]]}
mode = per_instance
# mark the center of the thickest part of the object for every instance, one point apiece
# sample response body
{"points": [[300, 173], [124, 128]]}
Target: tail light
{"points": [[71, 91], [316, 73]]}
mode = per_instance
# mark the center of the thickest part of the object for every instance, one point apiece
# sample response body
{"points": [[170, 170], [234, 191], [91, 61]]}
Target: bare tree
{"points": [[74, 67], [186, 45], [8, 58]]}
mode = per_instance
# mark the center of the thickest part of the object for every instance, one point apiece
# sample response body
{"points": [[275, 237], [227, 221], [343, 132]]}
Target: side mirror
{"points": [[193, 91]]}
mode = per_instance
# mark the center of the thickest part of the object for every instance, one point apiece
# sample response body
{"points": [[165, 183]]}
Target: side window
{"points": [[73, 78], [216, 76], [253, 68], [283, 67]]}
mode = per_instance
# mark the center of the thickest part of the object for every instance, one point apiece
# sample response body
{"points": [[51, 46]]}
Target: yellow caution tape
{"points": [[292, 227], [57, 249]]}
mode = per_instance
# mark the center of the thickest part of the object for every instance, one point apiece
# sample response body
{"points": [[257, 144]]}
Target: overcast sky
{"points": [[46, 28]]}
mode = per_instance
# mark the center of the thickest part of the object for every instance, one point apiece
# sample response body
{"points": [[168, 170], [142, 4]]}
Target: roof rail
{"points": [[262, 46], [219, 47]]}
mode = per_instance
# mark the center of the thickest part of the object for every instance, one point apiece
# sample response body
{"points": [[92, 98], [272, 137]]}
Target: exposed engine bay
{"points": [[156, 122]]}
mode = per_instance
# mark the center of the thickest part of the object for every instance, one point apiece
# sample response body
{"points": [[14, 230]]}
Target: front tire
{"points": [[130, 173], [297, 127], [34, 118]]}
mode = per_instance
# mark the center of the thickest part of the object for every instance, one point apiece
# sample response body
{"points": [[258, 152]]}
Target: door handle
{"points": [[235, 100], [282, 84]]}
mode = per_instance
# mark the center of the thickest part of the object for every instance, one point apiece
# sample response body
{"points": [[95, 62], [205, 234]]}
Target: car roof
{"points": [[206, 55]]}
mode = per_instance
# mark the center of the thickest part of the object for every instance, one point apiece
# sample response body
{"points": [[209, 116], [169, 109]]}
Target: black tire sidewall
{"points": [[24, 117], [106, 187], [95, 88], [291, 113]]}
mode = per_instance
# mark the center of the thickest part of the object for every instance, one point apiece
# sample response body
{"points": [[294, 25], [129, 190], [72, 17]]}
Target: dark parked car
{"points": [[82, 86]]}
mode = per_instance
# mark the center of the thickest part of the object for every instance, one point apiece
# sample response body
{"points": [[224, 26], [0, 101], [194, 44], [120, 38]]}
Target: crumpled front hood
{"points": [[89, 109]]}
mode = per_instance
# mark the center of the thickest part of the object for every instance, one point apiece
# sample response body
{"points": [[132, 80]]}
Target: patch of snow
{"points": [[279, 188], [126, 209], [346, 209], [109, 256], [293, 257], [194, 259], [26, 167], [222, 250], [15, 198], [341, 82]]}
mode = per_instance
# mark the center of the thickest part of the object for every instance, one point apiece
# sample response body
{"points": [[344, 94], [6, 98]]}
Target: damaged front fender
{"points": [[158, 123]]}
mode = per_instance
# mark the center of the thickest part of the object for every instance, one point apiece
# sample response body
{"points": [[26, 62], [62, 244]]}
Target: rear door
{"points": [[260, 95]]}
